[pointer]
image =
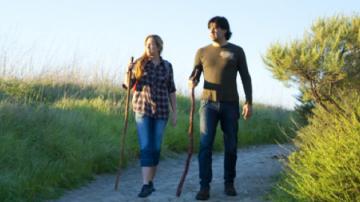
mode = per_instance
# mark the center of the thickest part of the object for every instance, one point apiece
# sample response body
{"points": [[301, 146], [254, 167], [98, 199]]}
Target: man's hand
{"points": [[246, 113], [191, 84]]}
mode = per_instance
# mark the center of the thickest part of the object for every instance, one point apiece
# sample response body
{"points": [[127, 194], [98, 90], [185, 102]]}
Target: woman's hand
{"points": [[174, 119], [130, 67], [172, 97]]}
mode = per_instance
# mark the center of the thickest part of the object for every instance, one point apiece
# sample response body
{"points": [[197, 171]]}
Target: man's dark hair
{"points": [[222, 23]]}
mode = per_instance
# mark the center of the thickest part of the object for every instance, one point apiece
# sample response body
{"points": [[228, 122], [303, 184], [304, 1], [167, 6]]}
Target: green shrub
{"points": [[326, 165]]}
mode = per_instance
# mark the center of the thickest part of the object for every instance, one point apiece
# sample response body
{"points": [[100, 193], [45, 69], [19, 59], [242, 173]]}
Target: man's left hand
{"points": [[246, 113]]}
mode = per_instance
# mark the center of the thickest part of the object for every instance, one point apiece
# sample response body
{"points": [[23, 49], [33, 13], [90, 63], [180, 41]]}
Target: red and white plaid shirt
{"points": [[151, 92]]}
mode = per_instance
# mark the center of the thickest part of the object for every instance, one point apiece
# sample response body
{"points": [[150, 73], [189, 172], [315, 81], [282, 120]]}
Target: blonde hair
{"points": [[141, 61]]}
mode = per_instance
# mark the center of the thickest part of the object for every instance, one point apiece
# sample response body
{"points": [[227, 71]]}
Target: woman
{"points": [[153, 85]]}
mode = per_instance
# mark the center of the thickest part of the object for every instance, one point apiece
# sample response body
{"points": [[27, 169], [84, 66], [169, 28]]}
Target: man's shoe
{"points": [[203, 194], [230, 189], [146, 190]]}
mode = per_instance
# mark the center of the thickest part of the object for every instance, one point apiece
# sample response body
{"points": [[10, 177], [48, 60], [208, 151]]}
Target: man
{"points": [[220, 62]]}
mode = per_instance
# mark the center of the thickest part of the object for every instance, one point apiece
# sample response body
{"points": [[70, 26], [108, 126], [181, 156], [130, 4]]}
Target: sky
{"points": [[101, 35]]}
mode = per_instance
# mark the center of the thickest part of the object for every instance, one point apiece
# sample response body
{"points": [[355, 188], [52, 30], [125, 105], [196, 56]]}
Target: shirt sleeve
{"points": [[245, 76], [198, 68], [171, 83]]}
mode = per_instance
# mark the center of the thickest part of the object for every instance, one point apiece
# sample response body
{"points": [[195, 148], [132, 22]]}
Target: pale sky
{"points": [[103, 34]]}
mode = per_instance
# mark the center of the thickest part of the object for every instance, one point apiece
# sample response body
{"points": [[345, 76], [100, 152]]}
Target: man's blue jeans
{"points": [[150, 132], [210, 114]]}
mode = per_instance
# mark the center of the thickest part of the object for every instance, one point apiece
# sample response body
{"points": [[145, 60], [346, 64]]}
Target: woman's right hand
{"points": [[130, 67]]}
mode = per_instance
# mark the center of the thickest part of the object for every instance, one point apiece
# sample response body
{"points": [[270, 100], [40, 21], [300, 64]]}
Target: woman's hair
{"points": [[222, 23], [141, 61]]}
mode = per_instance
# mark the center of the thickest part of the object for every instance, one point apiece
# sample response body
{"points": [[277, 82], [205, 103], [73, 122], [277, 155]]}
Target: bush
{"points": [[326, 165]]}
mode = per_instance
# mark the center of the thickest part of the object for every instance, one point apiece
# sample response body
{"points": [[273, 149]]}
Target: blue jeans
{"points": [[150, 132], [210, 114]]}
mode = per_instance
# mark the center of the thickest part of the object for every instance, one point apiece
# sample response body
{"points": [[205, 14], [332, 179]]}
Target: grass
{"points": [[57, 135]]}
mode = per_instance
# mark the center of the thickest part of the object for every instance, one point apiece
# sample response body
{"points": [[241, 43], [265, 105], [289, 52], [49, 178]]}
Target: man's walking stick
{"points": [[191, 144], [125, 125]]}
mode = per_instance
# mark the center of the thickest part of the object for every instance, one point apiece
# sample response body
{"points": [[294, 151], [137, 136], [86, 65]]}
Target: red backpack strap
{"points": [[134, 86]]}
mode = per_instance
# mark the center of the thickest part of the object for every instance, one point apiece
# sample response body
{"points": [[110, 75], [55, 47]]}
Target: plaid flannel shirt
{"points": [[151, 92]]}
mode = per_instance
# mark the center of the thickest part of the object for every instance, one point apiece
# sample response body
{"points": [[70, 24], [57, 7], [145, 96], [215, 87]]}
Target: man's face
{"points": [[216, 33]]}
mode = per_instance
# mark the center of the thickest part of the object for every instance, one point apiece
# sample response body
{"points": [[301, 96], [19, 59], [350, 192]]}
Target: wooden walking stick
{"points": [[125, 125], [191, 144]]}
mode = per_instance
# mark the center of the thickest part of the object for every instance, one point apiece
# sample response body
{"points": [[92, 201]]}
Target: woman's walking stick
{"points": [[125, 125], [191, 144]]}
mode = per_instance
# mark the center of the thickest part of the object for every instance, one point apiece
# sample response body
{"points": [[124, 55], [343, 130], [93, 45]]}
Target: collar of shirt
{"points": [[151, 64]]}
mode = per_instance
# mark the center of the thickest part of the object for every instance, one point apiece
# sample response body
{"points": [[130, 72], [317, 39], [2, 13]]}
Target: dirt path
{"points": [[257, 168]]}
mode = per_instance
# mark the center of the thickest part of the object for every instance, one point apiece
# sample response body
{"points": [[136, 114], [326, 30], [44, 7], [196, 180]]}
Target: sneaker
{"points": [[152, 185], [230, 189], [146, 190], [203, 194]]}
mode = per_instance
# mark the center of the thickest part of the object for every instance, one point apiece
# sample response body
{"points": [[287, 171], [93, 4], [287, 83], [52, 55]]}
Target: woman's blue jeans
{"points": [[150, 132], [210, 114]]}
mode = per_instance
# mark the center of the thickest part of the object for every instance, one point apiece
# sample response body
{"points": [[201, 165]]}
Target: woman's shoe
{"points": [[146, 190]]}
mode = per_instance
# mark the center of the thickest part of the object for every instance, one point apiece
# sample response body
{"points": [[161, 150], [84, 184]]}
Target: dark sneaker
{"points": [[230, 189], [152, 185], [203, 194], [146, 190]]}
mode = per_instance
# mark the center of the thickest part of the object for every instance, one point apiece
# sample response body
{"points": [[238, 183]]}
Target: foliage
{"points": [[326, 165], [324, 61]]}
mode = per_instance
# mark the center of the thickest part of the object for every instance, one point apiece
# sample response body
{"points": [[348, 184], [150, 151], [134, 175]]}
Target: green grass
{"points": [[44, 147], [267, 125], [56, 136]]}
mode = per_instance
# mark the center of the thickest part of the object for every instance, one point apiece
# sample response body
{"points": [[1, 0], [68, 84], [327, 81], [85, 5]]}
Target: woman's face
{"points": [[151, 48]]}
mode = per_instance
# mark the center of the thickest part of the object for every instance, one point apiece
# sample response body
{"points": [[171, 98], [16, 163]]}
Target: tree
{"points": [[324, 62]]}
